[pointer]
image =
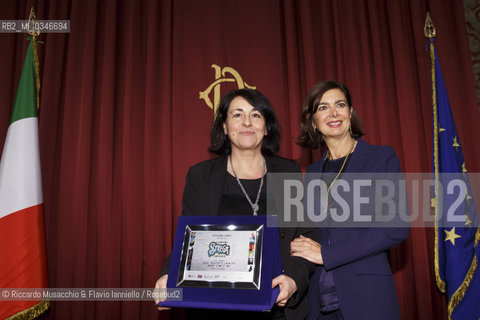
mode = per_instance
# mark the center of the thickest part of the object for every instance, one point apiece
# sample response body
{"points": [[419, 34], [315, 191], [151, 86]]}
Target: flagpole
{"points": [[42, 306], [34, 33]]}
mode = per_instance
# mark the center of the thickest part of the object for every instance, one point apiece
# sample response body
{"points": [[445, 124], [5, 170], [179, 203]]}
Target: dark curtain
{"points": [[121, 119]]}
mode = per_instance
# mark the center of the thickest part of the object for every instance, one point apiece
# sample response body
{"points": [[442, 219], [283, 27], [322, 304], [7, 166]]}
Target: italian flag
{"points": [[22, 232]]}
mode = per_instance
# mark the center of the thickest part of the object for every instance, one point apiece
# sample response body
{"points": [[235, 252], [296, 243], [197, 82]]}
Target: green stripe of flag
{"points": [[25, 101]]}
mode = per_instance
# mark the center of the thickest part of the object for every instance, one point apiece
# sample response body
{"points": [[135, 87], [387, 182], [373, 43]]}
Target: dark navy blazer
{"points": [[358, 257]]}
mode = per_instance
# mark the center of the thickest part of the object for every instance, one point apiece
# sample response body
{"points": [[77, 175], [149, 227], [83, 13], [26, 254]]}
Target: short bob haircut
{"points": [[312, 138], [220, 143]]}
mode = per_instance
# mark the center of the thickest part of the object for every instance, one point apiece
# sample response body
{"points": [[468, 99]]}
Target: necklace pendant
{"points": [[255, 209], [254, 205]]}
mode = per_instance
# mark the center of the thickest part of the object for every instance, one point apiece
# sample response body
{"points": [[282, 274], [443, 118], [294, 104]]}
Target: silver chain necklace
{"points": [[255, 206]]}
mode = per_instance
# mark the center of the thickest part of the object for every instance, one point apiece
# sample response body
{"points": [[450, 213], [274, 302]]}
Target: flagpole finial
{"points": [[34, 32], [31, 27], [429, 29]]}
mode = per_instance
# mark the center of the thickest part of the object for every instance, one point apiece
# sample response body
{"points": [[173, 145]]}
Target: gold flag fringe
{"points": [[438, 279], [457, 297], [32, 312]]}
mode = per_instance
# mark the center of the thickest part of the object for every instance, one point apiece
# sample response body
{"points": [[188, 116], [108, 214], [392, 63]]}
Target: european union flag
{"points": [[457, 235]]}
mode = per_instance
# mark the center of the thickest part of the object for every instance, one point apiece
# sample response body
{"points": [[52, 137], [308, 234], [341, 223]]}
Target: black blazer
{"points": [[202, 195]]}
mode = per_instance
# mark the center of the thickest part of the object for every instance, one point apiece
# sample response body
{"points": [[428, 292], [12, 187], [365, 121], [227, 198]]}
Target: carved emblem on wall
{"points": [[226, 74]]}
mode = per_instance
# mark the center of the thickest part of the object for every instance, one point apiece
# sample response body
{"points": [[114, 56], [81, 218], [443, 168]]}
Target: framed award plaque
{"points": [[225, 262], [221, 256]]}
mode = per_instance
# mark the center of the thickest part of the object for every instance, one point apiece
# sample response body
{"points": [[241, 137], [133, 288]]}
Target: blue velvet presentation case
{"points": [[231, 295]]}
